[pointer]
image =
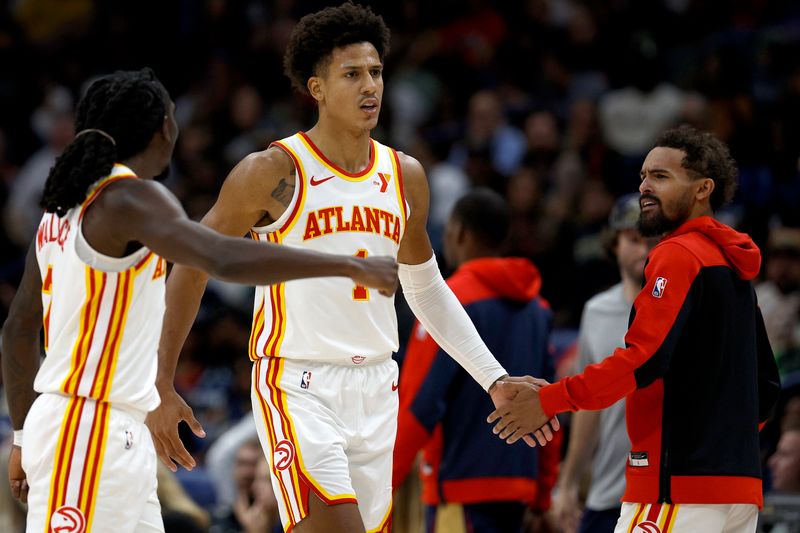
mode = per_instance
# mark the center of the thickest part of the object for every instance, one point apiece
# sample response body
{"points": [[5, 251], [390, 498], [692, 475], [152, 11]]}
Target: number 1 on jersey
{"points": [[361, 293]]}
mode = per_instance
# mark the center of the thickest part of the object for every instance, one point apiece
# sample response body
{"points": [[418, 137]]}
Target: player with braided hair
{"points": [[94, 283], [115, 120]]}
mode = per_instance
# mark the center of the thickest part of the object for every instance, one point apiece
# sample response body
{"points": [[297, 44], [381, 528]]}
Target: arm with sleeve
{"points": [[438, 309]]}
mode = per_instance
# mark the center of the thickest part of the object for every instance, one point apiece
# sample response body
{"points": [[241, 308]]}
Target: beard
{"points": [[658, 223]]}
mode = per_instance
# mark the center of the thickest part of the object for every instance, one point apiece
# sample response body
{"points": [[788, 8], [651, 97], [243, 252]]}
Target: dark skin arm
{"points": [[21, 354], [146, 212]]}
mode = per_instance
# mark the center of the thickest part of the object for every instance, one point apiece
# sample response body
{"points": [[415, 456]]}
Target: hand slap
{"points": [[521, 414]]}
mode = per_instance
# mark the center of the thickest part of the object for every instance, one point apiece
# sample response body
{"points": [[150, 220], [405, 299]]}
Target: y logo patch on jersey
{"points": [[67, 519], [385, 178], [128, 440], [659, 287], [283, 455], [305, 380]]}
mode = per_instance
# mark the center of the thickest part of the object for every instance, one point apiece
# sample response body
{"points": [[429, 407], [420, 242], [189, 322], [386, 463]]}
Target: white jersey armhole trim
{"points": [[278, 224], [102, 262]]}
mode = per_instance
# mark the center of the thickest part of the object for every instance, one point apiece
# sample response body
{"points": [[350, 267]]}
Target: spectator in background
{"points": [[487, 131], [447, 182], [633, 116], [222, 456], [598, 438], [785, 462], [782, 504], [258, 513], [53, 123], [178, 510], [243, 475], [468, 476], [779, 297]]}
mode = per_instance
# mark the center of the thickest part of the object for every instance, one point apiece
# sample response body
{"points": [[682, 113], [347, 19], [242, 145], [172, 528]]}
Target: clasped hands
{"points": [[518, 411]]}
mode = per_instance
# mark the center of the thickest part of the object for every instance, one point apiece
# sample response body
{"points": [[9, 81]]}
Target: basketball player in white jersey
{"points": [[94, 282], [324, 383]]}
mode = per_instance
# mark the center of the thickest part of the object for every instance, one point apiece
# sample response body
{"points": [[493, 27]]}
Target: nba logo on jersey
{"points": [[305, 381], [658, 288]]}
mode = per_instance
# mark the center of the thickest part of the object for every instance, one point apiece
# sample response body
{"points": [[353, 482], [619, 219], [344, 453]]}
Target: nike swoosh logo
{"points": [[318, 182], [394, 386]]}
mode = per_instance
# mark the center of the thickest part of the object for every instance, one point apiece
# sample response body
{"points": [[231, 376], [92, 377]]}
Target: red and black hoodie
{"points": [[697, 370]]}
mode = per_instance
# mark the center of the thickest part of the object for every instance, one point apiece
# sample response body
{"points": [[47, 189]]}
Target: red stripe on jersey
{"points": [[333, 165]]}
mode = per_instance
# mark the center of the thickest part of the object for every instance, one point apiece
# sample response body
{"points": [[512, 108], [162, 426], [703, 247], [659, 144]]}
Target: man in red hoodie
{"points": [[697, 371], [471, 480]]}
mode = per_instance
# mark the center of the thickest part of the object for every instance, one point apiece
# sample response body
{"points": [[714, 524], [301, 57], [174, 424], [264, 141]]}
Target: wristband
{"points": [[18, 437]]}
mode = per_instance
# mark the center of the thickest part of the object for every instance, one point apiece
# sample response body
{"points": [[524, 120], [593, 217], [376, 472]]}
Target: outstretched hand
{"points": [[163, 424], [520, 412], [16, 475]]}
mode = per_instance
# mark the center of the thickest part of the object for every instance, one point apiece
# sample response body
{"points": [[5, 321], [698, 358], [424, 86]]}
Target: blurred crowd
{"points": [[552, 103]]}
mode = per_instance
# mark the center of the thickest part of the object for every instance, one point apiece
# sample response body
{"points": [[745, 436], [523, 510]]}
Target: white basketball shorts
{"points": [[687, 518], [90, 467], [328, 429]]}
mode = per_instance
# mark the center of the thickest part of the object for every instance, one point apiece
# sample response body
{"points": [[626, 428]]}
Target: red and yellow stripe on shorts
{"points": [[75, 479], [653, 518], [294, 480]]}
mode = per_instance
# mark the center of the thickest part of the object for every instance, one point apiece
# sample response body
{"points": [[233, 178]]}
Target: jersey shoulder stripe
{"points": [[301, 183]]}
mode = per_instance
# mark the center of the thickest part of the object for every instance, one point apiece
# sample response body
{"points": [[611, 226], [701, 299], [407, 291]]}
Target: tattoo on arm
{"points": [[285, 190]]}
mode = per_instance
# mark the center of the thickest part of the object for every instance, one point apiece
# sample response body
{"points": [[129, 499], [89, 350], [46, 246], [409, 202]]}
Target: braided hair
{"points": [[129, 106]]}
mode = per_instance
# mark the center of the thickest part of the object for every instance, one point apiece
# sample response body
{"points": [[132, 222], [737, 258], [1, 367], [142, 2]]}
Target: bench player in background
{"points": [[471, 482]]}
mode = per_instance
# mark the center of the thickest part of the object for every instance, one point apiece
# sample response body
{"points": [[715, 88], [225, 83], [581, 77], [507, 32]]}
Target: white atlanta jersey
{"points": [[364, 214], [102, 315]]}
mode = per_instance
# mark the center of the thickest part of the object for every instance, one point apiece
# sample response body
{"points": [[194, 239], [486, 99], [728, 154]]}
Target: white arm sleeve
{"points": [[442, 315]]}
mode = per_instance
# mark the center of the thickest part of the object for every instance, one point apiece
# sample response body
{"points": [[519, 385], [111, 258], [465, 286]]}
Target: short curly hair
{"points": [[705, 157], [317, 34]]}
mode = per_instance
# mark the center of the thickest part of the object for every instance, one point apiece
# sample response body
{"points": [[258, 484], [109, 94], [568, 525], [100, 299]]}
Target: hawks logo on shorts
{"points": [[283, 455], [648, 526], [67, 519]]}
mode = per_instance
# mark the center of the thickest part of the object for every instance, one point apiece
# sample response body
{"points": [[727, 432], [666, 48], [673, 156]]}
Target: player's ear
{"points": [[705, 188], [314, 86]]}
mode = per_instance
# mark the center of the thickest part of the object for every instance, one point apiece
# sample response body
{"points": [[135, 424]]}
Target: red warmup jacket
{"points": [[443, 411], [697, 370]]}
